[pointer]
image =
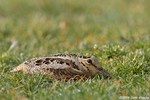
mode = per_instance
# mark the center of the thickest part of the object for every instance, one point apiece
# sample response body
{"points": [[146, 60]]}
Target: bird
{"points": [[63, 66]]}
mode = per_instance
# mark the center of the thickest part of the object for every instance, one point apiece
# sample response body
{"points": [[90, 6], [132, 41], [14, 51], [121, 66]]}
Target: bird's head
{"points": [[92, 66]]}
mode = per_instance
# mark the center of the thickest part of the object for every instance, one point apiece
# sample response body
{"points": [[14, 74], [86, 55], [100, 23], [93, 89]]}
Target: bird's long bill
{"points": [[104, 72]]}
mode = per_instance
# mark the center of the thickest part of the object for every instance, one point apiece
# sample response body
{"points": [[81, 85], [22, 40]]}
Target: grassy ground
{"points": [[116, 32]]}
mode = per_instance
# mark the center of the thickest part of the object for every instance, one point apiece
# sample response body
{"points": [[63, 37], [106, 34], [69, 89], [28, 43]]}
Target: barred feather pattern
{"points": [[63, 66]]}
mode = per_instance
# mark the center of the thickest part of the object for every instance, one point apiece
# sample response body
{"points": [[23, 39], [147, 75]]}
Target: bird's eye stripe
{"points": [[82, 64], [94, 65]]}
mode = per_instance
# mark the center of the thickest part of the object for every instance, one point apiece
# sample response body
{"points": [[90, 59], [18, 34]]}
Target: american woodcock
{"points": [[63, 66]]}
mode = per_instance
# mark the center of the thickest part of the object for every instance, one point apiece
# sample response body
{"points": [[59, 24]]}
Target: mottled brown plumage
{"points": [[63, 66]]}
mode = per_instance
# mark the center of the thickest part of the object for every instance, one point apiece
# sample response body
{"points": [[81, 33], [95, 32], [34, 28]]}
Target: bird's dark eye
{"points": [[89, 61]]}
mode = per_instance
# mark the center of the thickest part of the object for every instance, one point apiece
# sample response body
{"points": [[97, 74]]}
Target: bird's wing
{"points": [[49, 64]]}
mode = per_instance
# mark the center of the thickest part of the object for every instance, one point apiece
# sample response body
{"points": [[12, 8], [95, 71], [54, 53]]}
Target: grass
{"points": [[116, 32]]}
